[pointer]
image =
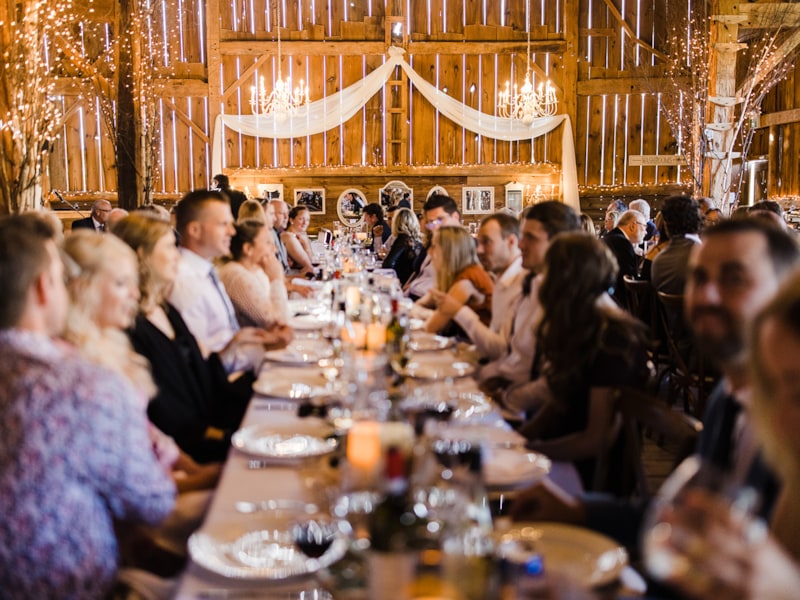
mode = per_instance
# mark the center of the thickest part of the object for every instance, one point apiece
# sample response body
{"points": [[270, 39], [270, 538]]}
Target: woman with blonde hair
{"points": [[251, 210], [459, 274], [407, 244], [196, 404]]}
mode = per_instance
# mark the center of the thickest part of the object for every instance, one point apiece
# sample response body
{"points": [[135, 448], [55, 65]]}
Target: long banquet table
{"points": [[239, 482]]}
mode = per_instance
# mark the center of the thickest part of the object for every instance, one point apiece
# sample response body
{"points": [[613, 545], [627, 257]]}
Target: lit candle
{"points": [[364, 447], [352, 298], [376, 336], [359, 335]]}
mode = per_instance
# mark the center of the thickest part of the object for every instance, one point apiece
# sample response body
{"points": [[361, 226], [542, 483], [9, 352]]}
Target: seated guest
{"points": [[280, 219], [459, 274], [498, 251], [610, 222], [96, 220], [681, 215], [251, 209], [587, 224], [643, 207], [205, 225], [196, 404], [72, 465], [378, 227], [254, 278], [586, 347], [622, 241], [741, 565], [660, 243], [295, 239], [439, 210], [407, 245], [540, 224]]}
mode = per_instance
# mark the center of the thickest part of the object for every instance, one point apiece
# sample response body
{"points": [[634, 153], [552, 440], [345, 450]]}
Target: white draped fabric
{"points": [[323, 115]]}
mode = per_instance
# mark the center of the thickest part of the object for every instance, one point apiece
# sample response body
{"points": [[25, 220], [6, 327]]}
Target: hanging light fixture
{"points": [[282, 102], [526, 103]]}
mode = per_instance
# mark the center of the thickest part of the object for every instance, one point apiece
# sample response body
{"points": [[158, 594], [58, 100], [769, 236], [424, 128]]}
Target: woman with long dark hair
{"points": [[586, 347]]}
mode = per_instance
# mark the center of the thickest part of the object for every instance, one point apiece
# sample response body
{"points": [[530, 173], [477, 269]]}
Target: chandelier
{"points": [[526, 103], [282, 102]]}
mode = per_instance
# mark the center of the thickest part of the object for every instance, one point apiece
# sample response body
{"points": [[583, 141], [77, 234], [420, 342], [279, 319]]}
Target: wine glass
{"points": [[694, 500], [331, 367], [314, 535]]}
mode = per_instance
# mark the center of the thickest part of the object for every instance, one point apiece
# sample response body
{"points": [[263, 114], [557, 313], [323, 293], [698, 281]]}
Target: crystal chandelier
{"points": [[526, 104], [282, 102]]}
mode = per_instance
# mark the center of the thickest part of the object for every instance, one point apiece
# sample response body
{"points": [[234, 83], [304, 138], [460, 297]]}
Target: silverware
{"points": [[245, 507], [306, 594]]}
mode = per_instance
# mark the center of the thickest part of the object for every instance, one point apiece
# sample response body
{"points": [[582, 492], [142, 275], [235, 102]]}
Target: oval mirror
{"points": [[395, 192], [350, 207]]}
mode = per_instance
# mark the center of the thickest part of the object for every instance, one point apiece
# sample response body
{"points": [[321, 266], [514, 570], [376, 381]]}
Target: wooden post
{"points": [[722, 84], [129, 181], [213, 70]]}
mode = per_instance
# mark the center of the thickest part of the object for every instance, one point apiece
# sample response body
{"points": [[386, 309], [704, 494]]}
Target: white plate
{"points": [[579, 554], [422, 341], [280, 447], [436, 367], [308, 322], [259, 555], [508, 469], [300, 352], [467, 406], [287, 390]]}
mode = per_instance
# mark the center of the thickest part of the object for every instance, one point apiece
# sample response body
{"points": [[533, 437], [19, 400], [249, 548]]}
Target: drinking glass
{"points": [[697, 497]]}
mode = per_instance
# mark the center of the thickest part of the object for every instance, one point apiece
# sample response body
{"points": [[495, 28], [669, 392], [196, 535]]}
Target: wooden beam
{"points": [[182, 88], [489, 171], [214, 58], [183, 117], [624, 85], [569, 61], [245, 76], [783, 117], [327, 48], [770, 15]]}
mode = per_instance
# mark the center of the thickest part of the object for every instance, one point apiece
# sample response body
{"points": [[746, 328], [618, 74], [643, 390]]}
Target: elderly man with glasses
{"points": [[622, 241]]}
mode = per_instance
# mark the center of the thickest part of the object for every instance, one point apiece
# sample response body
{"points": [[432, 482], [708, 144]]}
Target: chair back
{"points": [[642, 413]]}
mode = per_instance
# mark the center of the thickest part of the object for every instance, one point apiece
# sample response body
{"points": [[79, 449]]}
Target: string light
{"points": [[282, 101]]}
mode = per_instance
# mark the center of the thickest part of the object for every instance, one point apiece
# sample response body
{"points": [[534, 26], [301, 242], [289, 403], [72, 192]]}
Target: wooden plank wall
{"points": [[613, 119]]}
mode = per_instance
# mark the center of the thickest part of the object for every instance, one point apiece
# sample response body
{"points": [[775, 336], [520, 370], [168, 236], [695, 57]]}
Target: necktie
{"points": [[225, 299]]}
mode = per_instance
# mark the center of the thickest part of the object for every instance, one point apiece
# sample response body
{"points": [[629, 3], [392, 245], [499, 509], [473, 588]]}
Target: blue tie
{"points": [[225, 299]]}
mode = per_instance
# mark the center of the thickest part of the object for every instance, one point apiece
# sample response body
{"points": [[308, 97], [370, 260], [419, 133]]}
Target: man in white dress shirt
{"points": [[498, 251], [540, 224], [205, 224]]}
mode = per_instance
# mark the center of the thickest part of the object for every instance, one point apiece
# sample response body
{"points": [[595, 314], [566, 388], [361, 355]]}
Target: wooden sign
{"points": [[656, 160]]}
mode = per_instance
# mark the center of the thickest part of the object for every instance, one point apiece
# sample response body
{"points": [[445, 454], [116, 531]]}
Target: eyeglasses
{"points": [[640, 224], [434, 223]]}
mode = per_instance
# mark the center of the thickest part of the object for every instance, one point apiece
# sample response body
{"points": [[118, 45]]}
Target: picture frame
{"points": [[477, 200], [514, 197], [270, 191], [394, 192], [350, 207], [312, 198]]}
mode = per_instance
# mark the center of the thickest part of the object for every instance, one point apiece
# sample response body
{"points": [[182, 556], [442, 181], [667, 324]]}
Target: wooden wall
{"points": [[206, 56]]}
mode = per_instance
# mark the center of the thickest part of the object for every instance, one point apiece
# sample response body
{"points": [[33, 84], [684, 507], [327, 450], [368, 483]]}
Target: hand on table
{"points": [[546, 501], [445, 303]]}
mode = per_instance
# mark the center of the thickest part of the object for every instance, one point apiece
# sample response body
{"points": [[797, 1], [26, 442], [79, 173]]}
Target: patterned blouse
{"points": [[257, 301], [74, 458]]}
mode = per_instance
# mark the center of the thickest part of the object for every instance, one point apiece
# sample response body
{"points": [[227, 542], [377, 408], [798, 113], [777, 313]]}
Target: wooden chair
{"points": [[642, 305], [686, 370], [644, 414]]}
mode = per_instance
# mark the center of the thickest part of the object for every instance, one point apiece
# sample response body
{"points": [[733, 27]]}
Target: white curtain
{"points": [[323, 115]]}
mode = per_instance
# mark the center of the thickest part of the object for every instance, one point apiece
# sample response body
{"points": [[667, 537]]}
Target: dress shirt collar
{"points": [[195, 262], [511, 272], [32, 343], [693, 237]]}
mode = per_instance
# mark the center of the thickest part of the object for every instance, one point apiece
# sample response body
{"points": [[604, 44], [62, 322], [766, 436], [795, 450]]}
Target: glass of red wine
{"points": [[315, 534]]}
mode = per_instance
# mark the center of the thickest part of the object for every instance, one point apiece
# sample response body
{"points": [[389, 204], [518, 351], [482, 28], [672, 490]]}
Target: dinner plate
{"points": [[579, 554], [300, 352], [263, 554], [422, 341], [280, 447], [511, 469], [466, 406], [287, 390], [437, 367], [309, 322]]}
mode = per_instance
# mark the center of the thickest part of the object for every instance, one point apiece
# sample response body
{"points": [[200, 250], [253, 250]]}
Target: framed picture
{"points": [[477, 200], [311, 198], [437, 189], [395, 192], [270, 191], [350, 207], [514, 192]]}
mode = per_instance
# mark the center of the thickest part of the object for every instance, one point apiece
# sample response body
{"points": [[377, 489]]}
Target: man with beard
{"points": [[731, 277]]}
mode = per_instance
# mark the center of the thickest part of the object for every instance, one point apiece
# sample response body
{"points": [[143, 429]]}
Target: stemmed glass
{"points": [[695, 499]]}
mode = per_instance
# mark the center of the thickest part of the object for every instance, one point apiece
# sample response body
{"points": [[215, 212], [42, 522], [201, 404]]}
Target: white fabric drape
{"points": [[323, 115]]}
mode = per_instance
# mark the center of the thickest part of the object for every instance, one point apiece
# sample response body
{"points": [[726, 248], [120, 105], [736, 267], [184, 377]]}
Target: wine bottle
{"points": [[397, 339], [393, 534]]}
